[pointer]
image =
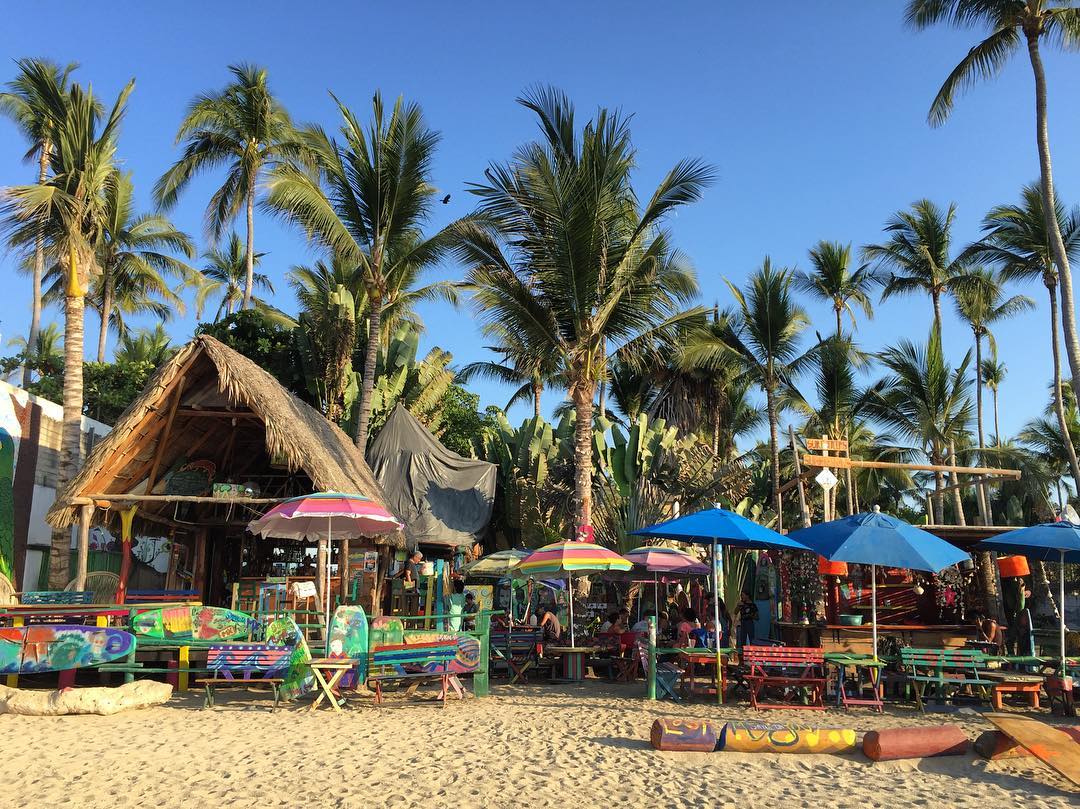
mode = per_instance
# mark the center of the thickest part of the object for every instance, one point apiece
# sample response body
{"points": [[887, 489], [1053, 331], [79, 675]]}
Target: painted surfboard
{"points": [[468, 648], [348, 637], [193, 623], [35, 649], [298, 679]]}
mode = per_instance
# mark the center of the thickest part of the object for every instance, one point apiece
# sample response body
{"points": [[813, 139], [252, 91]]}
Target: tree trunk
{"points": [[249, 278], [582, 396], [954, 480], [1059, 405], [774, 445], [537, 390], [997, 429], [367, 383], [39, 272], [716, 431], [979, 394], [937, 310], [1057, 244], [1045, 603], [839, 321], [71, 435], [106, 312]]}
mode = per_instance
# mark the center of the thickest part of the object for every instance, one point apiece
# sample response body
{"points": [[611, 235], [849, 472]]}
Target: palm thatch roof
{"points": [[212, 404]]}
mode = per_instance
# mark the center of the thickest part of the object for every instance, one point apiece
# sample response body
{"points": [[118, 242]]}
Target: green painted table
{"points": [[861, 666]]}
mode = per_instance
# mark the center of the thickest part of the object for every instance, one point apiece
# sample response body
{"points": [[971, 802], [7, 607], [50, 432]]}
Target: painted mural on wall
{"points": [[29, 467], [35, 649]]}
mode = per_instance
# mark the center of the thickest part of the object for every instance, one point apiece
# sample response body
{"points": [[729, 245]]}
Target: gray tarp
{"points": [[443, 498]]}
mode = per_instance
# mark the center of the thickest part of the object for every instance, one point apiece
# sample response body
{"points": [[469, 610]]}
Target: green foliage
{"points": [[461, 420], [270, 345]]}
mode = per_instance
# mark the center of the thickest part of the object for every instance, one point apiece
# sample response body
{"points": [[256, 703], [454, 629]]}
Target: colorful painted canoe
{"points": [[193, 623], [35, 649]]}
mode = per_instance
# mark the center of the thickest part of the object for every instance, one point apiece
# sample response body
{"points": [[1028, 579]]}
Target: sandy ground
{"points": [[580, 745]]}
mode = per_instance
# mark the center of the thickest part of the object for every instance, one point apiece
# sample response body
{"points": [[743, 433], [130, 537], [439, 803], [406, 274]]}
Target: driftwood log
{"points": [[103, 701]]}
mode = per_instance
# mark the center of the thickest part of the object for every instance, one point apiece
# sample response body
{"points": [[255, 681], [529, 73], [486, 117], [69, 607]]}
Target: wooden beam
{"points": [[163, 437], [837, 462], [137, 475], [194, 412], [86, 512], [178, 498]]}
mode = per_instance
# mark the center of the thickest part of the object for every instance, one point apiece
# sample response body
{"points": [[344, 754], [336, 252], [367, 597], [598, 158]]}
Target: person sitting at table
{"points": [[989, 633], [548, 622], [643, 624], [622, 622], [685, 628], [606, 627]]}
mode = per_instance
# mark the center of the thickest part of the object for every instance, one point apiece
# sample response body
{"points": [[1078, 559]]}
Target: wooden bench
{"points": [[257, 663], [58, 597], [519, 648], [1013, 682], [789, 668], [160, 596], [415, 662], [942, 672]]}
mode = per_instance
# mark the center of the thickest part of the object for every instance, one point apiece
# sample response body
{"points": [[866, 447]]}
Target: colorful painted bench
{"points": [[415, 662], [940, 673], [519, 649], [798, 671], [256, 663], [58, 597]]}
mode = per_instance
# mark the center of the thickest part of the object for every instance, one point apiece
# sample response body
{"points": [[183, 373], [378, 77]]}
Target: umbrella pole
{"points": [[1061, 603], [873, 606], [329, 528], [570, 599], [510, 622], [716, 623], [656, 594]]}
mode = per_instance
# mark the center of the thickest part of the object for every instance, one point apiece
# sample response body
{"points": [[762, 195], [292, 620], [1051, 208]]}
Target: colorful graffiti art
{"points": [[348, 637], [193, 623], [468, 649], [298, 678], [36, 649], [762, 738], [685, 735]]}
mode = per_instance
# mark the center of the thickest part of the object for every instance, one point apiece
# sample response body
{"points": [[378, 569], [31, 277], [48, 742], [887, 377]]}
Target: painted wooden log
{"points": [[768, 738], [897, 743], [994, 745], [685, 735]]}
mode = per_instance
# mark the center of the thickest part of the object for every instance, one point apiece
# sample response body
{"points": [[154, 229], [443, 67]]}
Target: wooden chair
{"points": [[519, 648], [667, 674], [941, 673], [789, 668], [101, 584], [7, 592]]}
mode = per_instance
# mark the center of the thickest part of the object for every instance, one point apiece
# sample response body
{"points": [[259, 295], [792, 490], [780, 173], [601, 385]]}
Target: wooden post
{"points": [[85, 513], [13, 679], [957, 500], [127, 517], [651, 673], [199, 563], [798, 477], [480, 676], [343, 569], [826, 509], [184, 656]]}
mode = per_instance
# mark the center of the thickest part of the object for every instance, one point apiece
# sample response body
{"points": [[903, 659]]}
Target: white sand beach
{"points": [[534, 745]]}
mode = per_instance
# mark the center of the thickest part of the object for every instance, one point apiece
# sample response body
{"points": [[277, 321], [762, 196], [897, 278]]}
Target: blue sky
{"points": [[813, 113]]}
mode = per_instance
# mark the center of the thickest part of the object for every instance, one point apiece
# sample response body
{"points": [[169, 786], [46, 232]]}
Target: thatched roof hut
{"points": [[212, 405]]}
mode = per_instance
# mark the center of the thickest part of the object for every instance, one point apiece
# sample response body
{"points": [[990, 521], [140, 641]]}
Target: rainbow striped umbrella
{"points": [[568, 558], [323, 516]]}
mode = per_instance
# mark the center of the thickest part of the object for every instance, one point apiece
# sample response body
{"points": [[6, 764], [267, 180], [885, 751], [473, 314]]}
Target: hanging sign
{"points": [[826, 479]]}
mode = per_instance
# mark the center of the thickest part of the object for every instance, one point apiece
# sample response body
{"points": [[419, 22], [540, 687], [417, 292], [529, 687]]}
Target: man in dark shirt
{"points": [[410, 575], [747, 613]]}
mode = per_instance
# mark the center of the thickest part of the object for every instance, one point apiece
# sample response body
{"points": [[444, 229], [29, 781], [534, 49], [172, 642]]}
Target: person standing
{"points": [[747, 613]]}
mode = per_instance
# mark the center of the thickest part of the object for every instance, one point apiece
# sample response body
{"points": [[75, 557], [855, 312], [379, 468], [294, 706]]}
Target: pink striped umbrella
{"points": [[657, 560], [323, 516]]}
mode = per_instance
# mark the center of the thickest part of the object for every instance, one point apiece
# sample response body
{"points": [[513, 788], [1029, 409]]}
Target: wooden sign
{"points": [[304, 589], [833, 461], [827, 444]]}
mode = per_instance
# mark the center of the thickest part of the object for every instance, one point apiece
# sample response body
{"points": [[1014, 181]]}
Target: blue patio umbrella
{"points": [[718, 526], [1047, 542], [873, 538]]}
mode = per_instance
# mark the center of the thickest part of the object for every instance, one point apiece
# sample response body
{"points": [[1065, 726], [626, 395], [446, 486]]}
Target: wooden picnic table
{"points": [[860, 665]]}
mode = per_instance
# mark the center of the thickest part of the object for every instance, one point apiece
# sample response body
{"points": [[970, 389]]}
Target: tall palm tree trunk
{"points": [[979, 393], [367, 382], [106, 313], [537, 390], [249, 280], [839, 322], [39, 271], [997, 429], [1057, 244], [582, 395], [71, 434], [1059, 405], [936, 296], [774, 445]]}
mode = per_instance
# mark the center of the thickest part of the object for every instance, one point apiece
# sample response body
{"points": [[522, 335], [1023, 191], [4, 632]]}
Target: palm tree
{"points": [[367, 204], [982, 304], [833, 281], [765, 332], [531, 375], [46, 356], [244, 128], [1016, 239], [562, 257], [133, 270], [67, 213], [225, 274], [993, 374], [151, 346], [1011, 22], [31, 101]]}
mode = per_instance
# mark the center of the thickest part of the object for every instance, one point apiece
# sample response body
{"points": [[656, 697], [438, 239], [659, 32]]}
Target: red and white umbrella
{"points": [[323, 516]]}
